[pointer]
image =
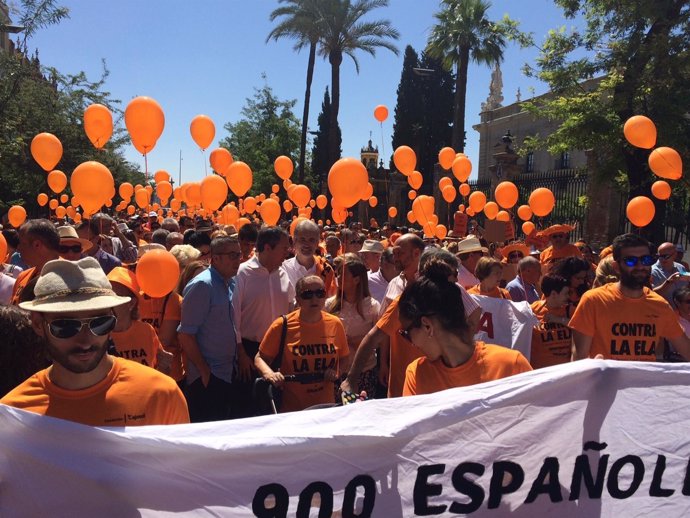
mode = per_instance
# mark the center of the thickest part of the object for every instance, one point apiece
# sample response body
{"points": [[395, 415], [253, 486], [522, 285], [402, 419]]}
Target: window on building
{"points": [[565, 160], [529, 162]]}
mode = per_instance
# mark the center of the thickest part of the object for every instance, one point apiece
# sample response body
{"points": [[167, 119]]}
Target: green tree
{"points": [[321, 155], [631, 58], [267, 130], [409, 107], [463, 33], [344, 33], [300, 20]]}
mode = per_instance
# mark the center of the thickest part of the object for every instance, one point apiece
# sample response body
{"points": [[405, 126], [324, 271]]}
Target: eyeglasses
{"points": [[63, 328], [645, 260], [310, 294], [405, 333], [231, 255], [65, 249], [666, 256]]}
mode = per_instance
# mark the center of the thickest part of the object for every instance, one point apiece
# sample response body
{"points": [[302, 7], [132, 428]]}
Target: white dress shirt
{"points": [[296, 271], [377, 285], [259, 298], [466, 279]]}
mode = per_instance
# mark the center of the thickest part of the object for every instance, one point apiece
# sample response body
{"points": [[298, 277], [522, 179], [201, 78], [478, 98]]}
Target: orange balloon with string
{"points": [[446, 157], [98, 124], [283, 167], [57, 181], [46, 149], [405, 159], [640, 211], [42, 199], [145, 120], [239, 178], [220, 159], [203, 130], [381, 113]]}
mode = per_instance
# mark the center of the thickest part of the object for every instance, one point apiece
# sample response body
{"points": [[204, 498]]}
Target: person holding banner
{"points": [[73, 312], [626, 320], [432, 315], [551, 338]]}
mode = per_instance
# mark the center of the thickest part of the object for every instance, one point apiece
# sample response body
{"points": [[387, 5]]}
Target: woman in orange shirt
{"points": [[432, 316], [489, 271]]}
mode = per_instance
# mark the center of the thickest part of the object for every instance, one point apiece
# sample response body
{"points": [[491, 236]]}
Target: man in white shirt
{"points": [[262, 293], [306, 239], [407, 250], [469, 252], [387, 271]]}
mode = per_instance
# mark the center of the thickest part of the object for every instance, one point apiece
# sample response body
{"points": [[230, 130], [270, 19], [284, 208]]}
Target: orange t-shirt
{"points": [[325, 271], [488, 363], [309, 348], [497, 293], [130, 395], [20, 284], [551, 342], [402, 352], [139, 343], [623, 328], [152, 311], [550, 256]]}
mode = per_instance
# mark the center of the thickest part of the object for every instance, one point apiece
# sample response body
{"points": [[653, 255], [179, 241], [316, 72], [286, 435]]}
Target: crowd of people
{"points": [[319, 315]]}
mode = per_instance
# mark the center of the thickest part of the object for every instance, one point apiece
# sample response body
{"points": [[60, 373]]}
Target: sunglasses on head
{"points": [[310, 294], [63, 328], [65, 249], [645, 260]]}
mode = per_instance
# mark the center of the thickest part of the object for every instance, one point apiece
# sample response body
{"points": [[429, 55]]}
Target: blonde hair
{"points": [[185, 254], [607, 272]]}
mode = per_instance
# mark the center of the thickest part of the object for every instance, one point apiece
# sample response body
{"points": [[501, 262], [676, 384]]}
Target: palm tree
{"points": [[463, 32], [300, 20], [344, 34]]}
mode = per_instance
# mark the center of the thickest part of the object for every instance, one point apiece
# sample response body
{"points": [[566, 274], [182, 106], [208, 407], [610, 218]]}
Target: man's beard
{"points": [[67, 361], [634, 282]]}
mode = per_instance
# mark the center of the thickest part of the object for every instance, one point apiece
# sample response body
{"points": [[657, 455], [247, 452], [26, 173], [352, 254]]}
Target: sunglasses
{"points": [[310, 294], [63, 328], [666, 256], [65, 249], [515, 255], [644, 260], [405, 333]]}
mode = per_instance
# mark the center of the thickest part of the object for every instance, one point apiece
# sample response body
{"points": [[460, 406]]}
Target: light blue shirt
{"points": [[520, 290], [659, 276], [207, 314]]}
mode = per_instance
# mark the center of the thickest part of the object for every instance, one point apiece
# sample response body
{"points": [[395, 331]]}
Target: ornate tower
{"points": [[370, 156]]}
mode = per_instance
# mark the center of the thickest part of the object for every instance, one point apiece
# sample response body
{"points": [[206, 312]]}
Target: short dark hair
{"points": [[628, 241], [551, 283], [197, 239], [568, 267], [681, 293], [159, 236], [248, 232], [44, 230], [220, 242], [270, 236], [11, 237]]}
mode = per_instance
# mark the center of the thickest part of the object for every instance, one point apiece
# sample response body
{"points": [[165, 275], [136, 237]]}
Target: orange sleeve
{"points": [[173, 309], [474, 290], [521, 364], [671, 326], [584, 318], [410, 385], [389, 322], [270, 344]]}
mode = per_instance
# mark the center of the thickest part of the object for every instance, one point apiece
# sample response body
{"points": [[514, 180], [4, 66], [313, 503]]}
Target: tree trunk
{"points": [[305, 112], [458, 139], [335, 58]]}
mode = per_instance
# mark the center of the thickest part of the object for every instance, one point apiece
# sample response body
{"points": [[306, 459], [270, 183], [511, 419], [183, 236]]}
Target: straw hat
{"points": [[371, 245], [557, 229], [68, 236], [517, 246], [471, 244], [73, 286]]}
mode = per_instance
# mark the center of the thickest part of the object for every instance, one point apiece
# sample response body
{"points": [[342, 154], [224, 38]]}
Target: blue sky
{"points": [[207, 56]]}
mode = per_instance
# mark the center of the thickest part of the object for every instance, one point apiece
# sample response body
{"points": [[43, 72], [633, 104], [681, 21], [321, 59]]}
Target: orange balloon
{"points": [[275, 188], [448, 193], [249, 205], [126, 190], [42, 199], [415, 179], [464, 189], [214, 192], [491, 209], [149, 189], [441, 231], [462, 168], [130, 209], [60, 211], [665, 162], [301, 195], [446, 180], [3, 249], [98, 124], [46, 149], [175, 204], [502, 216], [283, 167], [193, 194], [16, 215], [423, 208], [477, 200], [373, 201], [141, 197], [287, 206], [347, 180], [506, 194], [381, 113], [220, 159], [93, 183], [368, 192], [524, 212], [661, 190], [470, 212], [145, 121], [392, 212], [57, 181], [412, 194], [339, 215], [640, 211], [410, 216], [203, 131], [164, 190], [239, 177], [74, 202], [542, 201], [64, 198], [157, 273], [405, 159], [528, 227], [287, 183], [70, 211], [53, 204], [429, 229], [230, 214], [640, 131], [446, 157], [161, 176], [321, 201], [270, 212]]}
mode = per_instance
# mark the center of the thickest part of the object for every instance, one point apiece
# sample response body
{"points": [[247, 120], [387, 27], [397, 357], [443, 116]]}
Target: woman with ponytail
{"points": [[433, 318]]}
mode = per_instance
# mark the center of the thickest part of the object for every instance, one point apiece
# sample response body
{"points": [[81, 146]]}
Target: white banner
{"points": [[591, 438], [506, 323]]}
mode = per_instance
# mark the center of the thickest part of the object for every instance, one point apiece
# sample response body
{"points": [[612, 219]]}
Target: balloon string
{"points": [[146, 168], [203, 154], [383, 154]]}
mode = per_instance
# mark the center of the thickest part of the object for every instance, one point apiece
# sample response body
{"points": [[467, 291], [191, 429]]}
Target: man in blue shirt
{"points": [[207, 334], [668, 275], [523, 287]]}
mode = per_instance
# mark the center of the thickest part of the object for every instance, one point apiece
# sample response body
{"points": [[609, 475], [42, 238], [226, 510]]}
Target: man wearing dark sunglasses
{"points": [[626, 320], [73, 312], [559, 237], [667, 275]]}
